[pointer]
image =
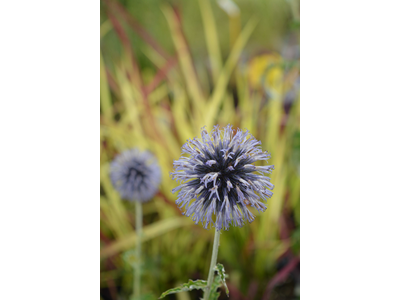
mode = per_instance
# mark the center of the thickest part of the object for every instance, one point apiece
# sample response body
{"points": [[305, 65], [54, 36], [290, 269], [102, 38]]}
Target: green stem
{"points": [[139, 222], [212, 265]]}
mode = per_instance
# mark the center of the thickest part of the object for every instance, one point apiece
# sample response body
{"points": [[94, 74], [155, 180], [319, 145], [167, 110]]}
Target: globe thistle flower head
{"points": [[219, 180], [135, 175]]}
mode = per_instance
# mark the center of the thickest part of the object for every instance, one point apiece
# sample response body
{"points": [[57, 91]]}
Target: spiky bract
{"points": [[219, 180]]}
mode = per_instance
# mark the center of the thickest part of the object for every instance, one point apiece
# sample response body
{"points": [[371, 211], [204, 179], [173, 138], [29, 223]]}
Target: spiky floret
{"points": [[219, 180], [135, 175]]}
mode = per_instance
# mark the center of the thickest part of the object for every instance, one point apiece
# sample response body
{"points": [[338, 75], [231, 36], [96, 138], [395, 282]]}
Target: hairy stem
{"points": [[212, 265]]}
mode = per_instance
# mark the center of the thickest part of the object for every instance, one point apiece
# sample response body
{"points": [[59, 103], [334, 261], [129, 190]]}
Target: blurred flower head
{"points": [[135, 175], [220, 179]]}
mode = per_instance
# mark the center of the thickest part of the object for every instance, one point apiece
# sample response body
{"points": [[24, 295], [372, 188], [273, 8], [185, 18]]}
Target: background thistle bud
{"points": [[135, 175], [220, 180]]}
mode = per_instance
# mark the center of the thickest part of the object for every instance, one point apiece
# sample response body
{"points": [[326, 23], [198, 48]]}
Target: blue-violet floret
{"points": [[135, 175], [219, 180]]}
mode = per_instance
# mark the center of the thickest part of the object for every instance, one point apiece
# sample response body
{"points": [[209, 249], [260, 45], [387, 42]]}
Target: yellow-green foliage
{"points": [[175, 249]]}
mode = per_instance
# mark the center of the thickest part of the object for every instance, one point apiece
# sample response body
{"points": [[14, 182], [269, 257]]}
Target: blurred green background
{"points": [[167, 69]]}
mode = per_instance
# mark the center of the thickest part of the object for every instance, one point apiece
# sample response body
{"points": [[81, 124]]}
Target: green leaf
{"points": [[221, 273], [214, 286], [219, 280], [214, 294], [191, 285]]}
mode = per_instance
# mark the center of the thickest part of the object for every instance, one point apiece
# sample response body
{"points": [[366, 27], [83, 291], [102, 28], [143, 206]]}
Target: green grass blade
{"points": [[105, 97], [149, 232], [219, 92], [211, 34], [183, 52]]}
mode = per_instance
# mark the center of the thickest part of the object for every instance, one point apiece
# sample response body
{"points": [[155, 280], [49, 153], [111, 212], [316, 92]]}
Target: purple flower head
{"points": [[135, 175], [219, 180]]}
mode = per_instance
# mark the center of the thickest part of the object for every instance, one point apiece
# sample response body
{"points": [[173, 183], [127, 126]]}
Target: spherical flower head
{"points": [[219, 180], [135, 175]]}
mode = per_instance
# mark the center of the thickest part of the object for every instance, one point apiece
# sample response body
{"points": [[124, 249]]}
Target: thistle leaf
{"points": [[191, 285], [214, 286], [214, 294], [221, 273]]}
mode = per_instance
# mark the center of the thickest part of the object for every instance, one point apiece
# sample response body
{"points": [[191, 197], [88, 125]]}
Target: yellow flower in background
{"points": [[266, 71]]}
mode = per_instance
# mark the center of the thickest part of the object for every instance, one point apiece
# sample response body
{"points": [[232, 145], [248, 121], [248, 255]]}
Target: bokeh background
{"points": [[169, 68]]}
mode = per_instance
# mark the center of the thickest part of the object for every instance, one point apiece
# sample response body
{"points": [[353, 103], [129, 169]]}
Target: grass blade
{"points": [[210, 30], [226, 72], [149, 232]]}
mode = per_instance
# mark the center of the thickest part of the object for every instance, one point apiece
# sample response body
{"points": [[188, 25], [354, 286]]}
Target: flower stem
{"points": [[139, 222], [212, 265]]}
